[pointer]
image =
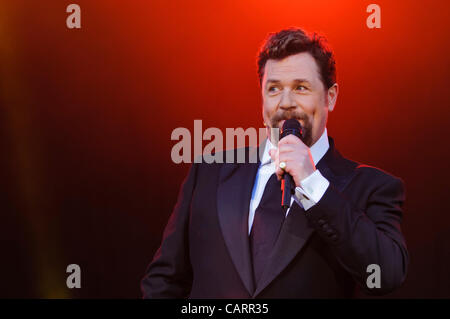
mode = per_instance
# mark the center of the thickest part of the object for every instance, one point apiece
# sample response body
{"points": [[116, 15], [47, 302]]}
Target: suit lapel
{"points": [[294, 234], [233, 204], [296, 231]]}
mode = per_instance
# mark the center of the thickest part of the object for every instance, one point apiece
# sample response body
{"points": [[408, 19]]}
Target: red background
{"points": [[86, 117]]}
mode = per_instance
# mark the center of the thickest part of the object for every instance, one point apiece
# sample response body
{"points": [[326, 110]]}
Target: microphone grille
{"points": [[291, 124]]}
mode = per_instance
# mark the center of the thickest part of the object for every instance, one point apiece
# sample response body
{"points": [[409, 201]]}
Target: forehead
{"points": [[298, 66]]}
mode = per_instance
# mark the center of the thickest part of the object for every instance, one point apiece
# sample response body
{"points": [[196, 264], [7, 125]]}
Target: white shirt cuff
{"points": [[312, 189]]}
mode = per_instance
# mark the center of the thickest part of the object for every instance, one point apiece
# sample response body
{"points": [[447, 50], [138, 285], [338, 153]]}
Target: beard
{"points": [[275, 122]]}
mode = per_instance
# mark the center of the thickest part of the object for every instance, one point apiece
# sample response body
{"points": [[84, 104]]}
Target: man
{"points": [[228, 236]]}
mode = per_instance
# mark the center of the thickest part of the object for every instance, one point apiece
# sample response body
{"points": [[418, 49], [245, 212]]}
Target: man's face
{"points": [[291, 88]]}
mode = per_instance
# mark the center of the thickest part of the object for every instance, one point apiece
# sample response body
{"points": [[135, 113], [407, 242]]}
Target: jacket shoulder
{"points": [[377, 175]]}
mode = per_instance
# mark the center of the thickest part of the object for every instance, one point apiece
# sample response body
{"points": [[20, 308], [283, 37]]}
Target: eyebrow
{"points": [[295, 80]]}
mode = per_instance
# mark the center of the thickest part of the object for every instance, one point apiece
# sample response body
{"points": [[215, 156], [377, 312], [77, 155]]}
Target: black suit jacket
{"points": [[320, 253]]}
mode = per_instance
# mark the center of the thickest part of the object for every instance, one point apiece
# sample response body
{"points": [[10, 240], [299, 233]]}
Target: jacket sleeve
{"points": [[169, 275], [360, 238]]}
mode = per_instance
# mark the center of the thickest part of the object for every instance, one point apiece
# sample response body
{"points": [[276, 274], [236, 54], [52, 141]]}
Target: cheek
{"points": [[307, 104], [316, 105], [319, 119], [316, 111], [269, 106]]}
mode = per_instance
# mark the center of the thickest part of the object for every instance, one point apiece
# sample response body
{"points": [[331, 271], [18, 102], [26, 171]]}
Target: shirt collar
{"points": [[318, 150]]}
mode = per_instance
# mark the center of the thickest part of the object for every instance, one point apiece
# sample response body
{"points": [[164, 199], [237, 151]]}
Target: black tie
{"points": [[269, 216]]}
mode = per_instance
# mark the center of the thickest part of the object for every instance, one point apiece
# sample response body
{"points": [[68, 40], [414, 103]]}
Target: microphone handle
{"points": [[287, 186], [287, 183]]}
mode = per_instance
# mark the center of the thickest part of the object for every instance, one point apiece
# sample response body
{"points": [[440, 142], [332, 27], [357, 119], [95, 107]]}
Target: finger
{"points": [[289, 164], [286, 149], [278, 170], [290, 139], [274, 156], [285, 157], [272, 153]]}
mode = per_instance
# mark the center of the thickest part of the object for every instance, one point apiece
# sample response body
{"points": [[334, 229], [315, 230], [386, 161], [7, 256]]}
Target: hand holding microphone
{"points": [[294, 156]]}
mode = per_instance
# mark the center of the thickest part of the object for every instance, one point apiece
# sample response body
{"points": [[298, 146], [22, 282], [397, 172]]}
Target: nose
{"points": [[287, 102]]}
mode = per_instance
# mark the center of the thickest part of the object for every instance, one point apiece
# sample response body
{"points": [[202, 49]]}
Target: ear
{"points": [[332, 95]]}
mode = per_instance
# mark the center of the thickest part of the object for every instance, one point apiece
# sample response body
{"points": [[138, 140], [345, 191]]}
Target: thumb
{"points": [[272, 153]]}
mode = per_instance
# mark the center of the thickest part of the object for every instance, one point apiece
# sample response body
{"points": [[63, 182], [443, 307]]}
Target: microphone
{"points": [[291, 126]]}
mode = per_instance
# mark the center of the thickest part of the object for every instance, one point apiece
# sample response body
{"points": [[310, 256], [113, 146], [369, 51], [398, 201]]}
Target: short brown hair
{"points": [[292, 41]]}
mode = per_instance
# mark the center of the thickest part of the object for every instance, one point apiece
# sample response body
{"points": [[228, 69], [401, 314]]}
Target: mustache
{"points": [[276, 118], [307, 125]]}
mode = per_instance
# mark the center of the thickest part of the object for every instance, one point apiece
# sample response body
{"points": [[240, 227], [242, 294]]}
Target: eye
{"points": [[272, 89], [300, 88]]}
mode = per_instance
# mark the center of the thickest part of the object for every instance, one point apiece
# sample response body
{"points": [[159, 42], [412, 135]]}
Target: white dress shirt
{"points": [[312, 187]]}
